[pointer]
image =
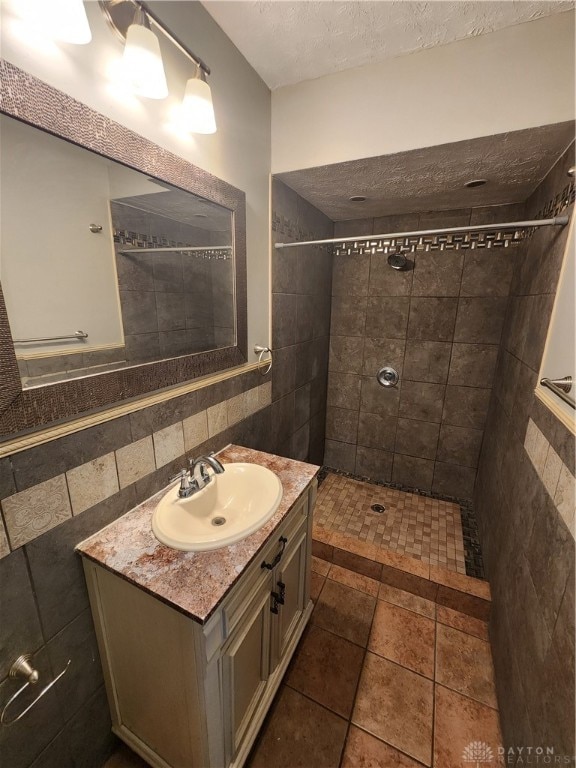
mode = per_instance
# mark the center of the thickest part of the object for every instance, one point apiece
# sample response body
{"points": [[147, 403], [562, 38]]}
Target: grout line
{"points": [[418, 597], [41, 622], [408, 669], [434, 689], [392, 746], [470, 698], [397, 664], [310, 698], [457, 629], [358, 684]]}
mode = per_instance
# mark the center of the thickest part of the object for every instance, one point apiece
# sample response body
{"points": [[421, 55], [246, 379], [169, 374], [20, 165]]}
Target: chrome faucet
{"points": [[197, 477], [200, 477]]}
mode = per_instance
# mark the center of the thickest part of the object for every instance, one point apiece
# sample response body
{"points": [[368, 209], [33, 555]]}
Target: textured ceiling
{"points": [[433, 179], [287, 42]]}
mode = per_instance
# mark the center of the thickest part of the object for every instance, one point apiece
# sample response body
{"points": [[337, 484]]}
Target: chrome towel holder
{"points": [[261, 351], [78, 335], [560, 387], [23, 669]]}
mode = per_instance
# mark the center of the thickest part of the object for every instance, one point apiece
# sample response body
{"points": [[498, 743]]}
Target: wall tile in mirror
{"points": [[144, 269]]}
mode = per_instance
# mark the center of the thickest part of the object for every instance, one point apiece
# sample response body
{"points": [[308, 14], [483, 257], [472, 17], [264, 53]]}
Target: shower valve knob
{"points": [[387, 376]]}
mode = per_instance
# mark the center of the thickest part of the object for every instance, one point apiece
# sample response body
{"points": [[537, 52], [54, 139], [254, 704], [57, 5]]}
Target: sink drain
{"points": [[218, 520], [378, 508]]}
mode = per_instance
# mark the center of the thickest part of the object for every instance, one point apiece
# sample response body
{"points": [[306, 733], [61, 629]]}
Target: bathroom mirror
{"points": [[102, 266], [122, 266]]}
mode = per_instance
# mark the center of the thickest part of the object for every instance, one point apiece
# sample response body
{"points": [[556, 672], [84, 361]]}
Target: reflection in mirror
{"points": [[128, 268]]}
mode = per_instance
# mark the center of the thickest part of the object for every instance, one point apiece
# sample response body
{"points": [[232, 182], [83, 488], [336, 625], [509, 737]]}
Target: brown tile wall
{"points": [[177, 304], [528, 550], [439, 325], [43, 603], [301, 287]]}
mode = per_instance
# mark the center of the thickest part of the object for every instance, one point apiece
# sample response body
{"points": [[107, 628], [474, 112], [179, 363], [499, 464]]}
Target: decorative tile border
{"points": [[426, 243], [487, 239], [30, 513], [33, 512], [554, 474], [140, 240], [559, 202]]}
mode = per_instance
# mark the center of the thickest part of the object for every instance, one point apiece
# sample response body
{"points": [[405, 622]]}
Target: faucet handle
{"points": [[193, 463], [185, 485], [180, 476]]}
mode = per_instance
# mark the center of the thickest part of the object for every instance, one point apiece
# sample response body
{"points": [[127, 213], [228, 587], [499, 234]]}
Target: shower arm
{"points": [[557, 221]]}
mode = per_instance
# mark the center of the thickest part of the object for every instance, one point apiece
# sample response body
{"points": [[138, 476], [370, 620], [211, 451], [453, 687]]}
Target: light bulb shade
{"points": [[197, 108], [143, 63], [63, 20]]}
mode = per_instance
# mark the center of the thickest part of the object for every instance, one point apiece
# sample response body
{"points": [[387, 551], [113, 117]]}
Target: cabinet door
{"points": [[290, 585], [246, 664]]}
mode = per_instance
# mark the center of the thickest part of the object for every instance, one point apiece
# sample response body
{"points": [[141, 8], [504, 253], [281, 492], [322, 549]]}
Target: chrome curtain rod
{"points": [[557, 221], [168, 249]]}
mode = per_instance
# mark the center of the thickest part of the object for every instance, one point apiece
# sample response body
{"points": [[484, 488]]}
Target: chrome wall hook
{"points": [[23, 669]]}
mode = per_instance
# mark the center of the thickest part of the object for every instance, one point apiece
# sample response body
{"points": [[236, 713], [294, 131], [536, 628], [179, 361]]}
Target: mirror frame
{"points": [[32, 101]]}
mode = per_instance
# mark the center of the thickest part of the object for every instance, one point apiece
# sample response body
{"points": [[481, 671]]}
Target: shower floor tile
{"points": [[423, 528]]}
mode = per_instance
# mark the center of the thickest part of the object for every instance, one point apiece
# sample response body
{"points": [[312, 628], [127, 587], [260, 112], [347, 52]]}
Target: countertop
{"points": [[194, 583]]}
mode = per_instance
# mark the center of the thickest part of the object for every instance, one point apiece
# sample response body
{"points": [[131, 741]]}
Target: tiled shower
{"points": [[466, 332], [438, 324]]}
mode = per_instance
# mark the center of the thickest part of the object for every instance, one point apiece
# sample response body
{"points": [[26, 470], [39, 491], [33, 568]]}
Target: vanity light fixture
{"points": [[142, 60], [197, 110], [132, 20]]}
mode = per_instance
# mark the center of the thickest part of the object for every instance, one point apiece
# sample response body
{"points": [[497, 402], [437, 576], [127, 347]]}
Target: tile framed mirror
{"points": [[122, 265]]}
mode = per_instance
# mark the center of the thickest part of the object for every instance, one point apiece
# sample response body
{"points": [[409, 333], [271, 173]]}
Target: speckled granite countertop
{"points": [[194, 583]]}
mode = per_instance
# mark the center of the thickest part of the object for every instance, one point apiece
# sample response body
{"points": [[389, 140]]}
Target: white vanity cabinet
{"points": [[190, 695]]}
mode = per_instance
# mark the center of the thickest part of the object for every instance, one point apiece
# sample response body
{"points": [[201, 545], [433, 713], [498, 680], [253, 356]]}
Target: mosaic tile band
{"points": [[427, 243], [442, 242], [140, 240]]}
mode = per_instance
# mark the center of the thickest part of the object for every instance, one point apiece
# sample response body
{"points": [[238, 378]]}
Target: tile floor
{"points": [[424, 528], [381, 678]]}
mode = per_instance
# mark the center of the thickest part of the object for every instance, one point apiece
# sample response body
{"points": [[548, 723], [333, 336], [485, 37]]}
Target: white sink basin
{"points": [[231, 507]]}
